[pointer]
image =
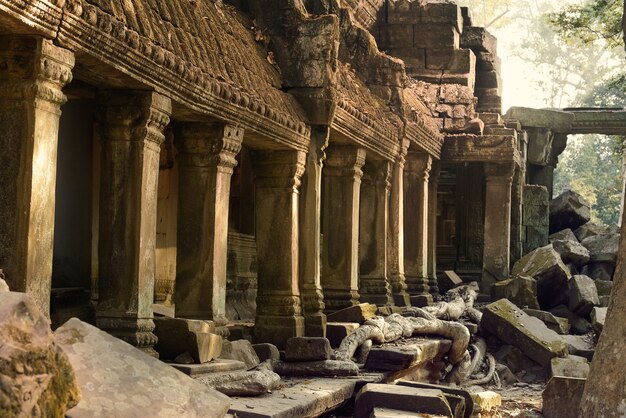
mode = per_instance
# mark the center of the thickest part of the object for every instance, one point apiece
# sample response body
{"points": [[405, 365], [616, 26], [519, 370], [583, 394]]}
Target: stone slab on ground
{"points": [[337, 331], [266, 351], [373, 395], [116, 379], [555, 323], [447, 390], [240, 350], [242, 383], [322, 368], [511, 325], [215, 366], [395, 413], [357, 313], [598, 318], [522, 291], [163, 310], [561, 397], [302, 398], [405, 355], [570, 366], [36, 377], [307, 349], [582, 295]]}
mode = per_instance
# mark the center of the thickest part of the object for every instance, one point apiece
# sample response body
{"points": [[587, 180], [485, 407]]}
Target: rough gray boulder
{"points": [[568, 210], [36, 378], [530, 335], [118, 380], [602, 248], [522, 291], [544, 265], [571, 252], [582, 295]]}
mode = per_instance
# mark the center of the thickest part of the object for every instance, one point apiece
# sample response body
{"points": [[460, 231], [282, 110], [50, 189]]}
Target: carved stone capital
{"points": [[418, 164], [34, 68], [208, 145], [345, 161], [128, 115], [279, 168], [379, 173], [277, 303], [499, 172]]}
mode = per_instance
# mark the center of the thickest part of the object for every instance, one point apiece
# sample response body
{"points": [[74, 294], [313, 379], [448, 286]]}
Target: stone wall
{"points": [[535, 217]]}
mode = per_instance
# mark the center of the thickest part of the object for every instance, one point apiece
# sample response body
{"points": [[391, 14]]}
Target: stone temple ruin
{"points": [[331, 180]]}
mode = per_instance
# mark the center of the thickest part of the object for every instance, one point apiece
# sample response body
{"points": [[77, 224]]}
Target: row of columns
{"points": [[375, 221]]}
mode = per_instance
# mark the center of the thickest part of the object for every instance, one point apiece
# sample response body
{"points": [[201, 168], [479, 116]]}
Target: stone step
{"points": [[215, 366]]}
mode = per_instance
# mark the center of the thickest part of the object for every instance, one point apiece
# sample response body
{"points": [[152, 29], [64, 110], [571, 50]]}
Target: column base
{"points": [[417, 285], [433, 283], [419, 301], [401, 299], [315, 325], [135, 331], [278, 329], [375, 290], [335, 300]]}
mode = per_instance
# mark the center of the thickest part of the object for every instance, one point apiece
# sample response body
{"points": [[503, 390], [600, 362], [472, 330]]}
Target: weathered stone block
{"points": [[581, 345], [590, 229], [602, 248], [599, 270], [565, 235], [429, 36], [568, 210], [582, 295], [570, 366], [216, 366], [177, 336], [545, 265], [242, 383], [541, 118], [522, 291], [486, 61], [536, 215], [487, 400], [525, 369], [321, 368], [36, 378], [240, 350], [488, 79], [555, 323], [453, 60], [373, 395], [479, 39], [449, 280], [571, 251], [123, 381], [357, 313], [561, 397], [598, 318], [395, 35], [307, 349], [604, 287], [530, 335], [266, 351], [337, 331], [452, 394], [578, 325]]}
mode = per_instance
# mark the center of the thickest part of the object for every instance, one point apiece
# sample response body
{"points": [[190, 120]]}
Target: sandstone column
{"points": [[310, 235], [131, 127], [395, 245], [207, 158], [340, 256], [433, 185], [32, 73], [374, 210], [279, 310], [417, 173], [497, 233]]}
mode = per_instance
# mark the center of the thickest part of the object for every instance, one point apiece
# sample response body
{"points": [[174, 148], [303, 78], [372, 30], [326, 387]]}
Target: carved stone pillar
{"points": [[417, 173], [395, 245], [279, 310], [207, 158], [374, 209], [340, 254], [32, 73], [310, 235], [433, 185], [131, 125], [497, 233]]}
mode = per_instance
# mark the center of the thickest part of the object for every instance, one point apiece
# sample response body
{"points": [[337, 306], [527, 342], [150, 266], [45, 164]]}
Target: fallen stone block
{"points": [[36, 378], [568, 210], [357, 313], [266, 351], [177, 336], [530, 335], [307, 349], [487, 401], [507, 377], [426, 401], [571, 252], [544, 265], [602, 248], [522, 291], [604, 301], [599, 270], [580, 345], [214, 366], [240, 350], [118, 380], [582, 295], [337, 331], [561, 397], [419, 301], [570, 366], [564, 235], [589, 229], [452, 394], [555, 323], [321, 368], [598, 318], [242, 383], [520, 364], [578, 325], [603, 287], [449, 280], [392, 358]]}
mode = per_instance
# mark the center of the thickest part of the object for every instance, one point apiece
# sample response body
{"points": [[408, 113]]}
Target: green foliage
{"points": [[592, 166]]}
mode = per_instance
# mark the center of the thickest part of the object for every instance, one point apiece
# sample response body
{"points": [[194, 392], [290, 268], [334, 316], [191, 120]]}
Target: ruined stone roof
{"points": [[421, 127], [202, 53]]}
